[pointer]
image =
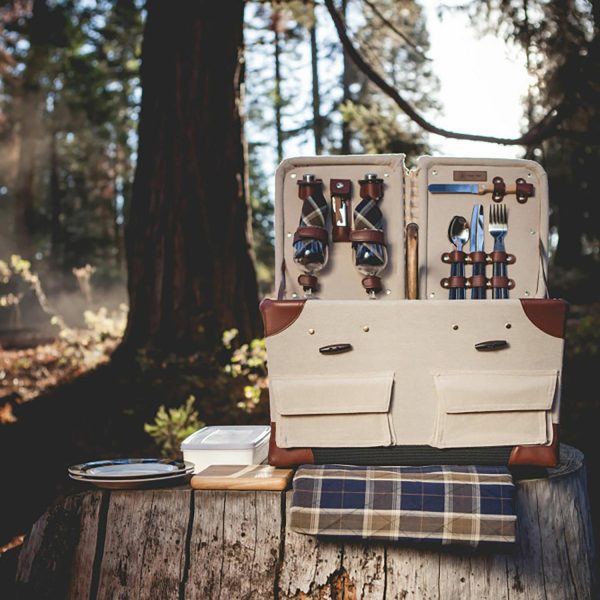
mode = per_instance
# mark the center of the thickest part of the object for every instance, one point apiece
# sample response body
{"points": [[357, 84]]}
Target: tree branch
{"points": [[397, 31], [542, 130]]}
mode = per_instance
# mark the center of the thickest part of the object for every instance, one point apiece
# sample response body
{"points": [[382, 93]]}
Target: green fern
{"points": [[172, 426]]}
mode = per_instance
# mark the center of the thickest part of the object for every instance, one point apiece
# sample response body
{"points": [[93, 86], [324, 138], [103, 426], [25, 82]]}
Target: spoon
{"points": [[458, 234]]}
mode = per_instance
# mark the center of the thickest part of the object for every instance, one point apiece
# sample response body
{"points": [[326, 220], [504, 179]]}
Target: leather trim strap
{"points": [[456, 256], [288, 457], [523, 189], [498, 257], [478, 281], [367, 235], [340, 233], [456, 282], [311, 233], [372, 282], [476, 257], [499, 282], [536, 456], [550, 316], [308, 188], [279, 314], [308, 281]]}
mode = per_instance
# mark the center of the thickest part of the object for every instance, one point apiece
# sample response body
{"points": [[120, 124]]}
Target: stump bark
{"points": [[179, 543]]}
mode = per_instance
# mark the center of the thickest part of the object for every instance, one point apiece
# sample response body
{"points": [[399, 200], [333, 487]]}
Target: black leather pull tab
{"points": [[491, 345], [335, 349]]}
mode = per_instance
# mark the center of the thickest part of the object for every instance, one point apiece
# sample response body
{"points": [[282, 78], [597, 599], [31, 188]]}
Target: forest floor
{"points": [[55, 413]]}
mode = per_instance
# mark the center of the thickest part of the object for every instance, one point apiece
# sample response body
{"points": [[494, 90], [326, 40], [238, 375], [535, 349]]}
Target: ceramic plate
{"points": [[130, 468], [136, 484]]}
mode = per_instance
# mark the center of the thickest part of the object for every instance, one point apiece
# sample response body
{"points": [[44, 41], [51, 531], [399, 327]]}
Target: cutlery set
{"points": [[459, 233]]}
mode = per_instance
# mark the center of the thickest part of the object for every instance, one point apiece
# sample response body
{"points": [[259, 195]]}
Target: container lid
{"points": [[227, 437]]}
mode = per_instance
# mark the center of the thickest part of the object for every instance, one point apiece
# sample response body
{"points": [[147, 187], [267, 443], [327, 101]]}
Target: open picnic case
{"points": [[360, 374]]}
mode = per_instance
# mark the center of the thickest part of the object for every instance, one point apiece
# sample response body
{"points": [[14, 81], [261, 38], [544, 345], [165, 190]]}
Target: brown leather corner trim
{"points": [[548, 315], [279, 314], [536, 456], [288, 457], [308, 233], [367, 235]]}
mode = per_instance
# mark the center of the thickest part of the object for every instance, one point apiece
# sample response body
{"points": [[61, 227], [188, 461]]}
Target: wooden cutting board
{"points": [[242, 477]]}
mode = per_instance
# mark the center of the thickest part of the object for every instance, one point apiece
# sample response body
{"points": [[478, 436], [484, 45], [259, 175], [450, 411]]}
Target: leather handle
{"points": [[335, 349], [491, 345], [412, 261]]}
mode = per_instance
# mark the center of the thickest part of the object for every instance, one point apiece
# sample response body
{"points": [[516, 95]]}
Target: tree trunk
{"points": [[277, 22], [55, 204], [346, 80], [181, 543], [31, 129], [316, 92], [190, 261]]}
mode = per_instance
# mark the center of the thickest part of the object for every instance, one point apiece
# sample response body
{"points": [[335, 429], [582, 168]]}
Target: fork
{"points": [[498, 228]]}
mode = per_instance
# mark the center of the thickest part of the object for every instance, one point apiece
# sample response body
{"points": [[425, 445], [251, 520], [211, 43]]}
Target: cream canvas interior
{"points": [[406, 199], [429, 347], [527, 223], [340, 279]]}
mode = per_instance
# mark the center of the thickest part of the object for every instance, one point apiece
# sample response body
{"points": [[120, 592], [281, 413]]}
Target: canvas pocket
{"points": [[494, 408], [333, 410]]}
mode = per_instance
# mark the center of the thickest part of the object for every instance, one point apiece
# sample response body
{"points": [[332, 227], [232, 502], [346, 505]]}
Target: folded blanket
{"points": [[440, 504]]}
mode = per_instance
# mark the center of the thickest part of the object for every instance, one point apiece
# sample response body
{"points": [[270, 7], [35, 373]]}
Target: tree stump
{"points": [[177, 543]]}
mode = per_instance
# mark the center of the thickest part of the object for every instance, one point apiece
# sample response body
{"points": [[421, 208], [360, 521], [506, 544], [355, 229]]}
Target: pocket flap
{"points": [[332, 394], [496, 391]]}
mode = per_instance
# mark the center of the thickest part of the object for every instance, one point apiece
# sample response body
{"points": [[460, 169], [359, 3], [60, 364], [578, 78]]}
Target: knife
{"points": [[477, 245], [468, 188]]}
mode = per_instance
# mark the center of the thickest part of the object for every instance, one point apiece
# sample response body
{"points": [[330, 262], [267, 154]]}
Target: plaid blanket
{"points": [[441, 504]]}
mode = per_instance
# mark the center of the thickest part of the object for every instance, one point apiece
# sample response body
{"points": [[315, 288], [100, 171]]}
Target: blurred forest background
{"points": [[133, 138]]}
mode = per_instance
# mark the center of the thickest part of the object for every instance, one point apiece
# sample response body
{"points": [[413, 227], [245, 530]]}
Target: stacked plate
{"points": [[133, 473]]}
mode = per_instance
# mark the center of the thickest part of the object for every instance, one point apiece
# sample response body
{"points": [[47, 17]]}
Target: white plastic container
{"points": [[227, 445]]}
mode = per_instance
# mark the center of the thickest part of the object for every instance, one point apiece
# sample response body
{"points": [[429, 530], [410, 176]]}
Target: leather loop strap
{"points": [[308, 281], [456, 282], [502, 257], [478, 281], [478, 257], [371, 188], [455, 256], [367, 235], [372, 283], [311, 233], [499, 282], [499, 189], [524, 190], [308, 188]]}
